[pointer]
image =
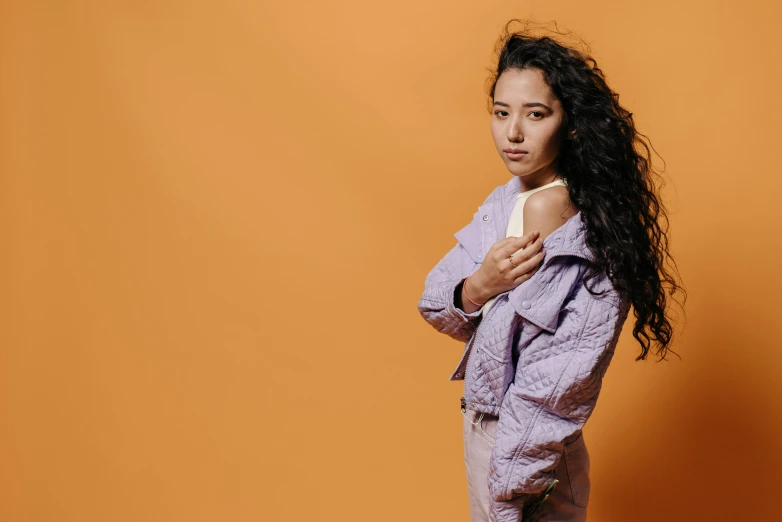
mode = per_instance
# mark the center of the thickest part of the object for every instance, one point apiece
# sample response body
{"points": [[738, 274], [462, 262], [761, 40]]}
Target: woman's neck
{"points": [[532, 182]]}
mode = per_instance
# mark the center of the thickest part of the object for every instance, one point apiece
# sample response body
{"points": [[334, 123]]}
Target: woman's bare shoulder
{"points": [[547, 210]]}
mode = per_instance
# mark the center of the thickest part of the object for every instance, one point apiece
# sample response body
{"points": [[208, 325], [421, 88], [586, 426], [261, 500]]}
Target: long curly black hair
{"points": [[610, 178]]}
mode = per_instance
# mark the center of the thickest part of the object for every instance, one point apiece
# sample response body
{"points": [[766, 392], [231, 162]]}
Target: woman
{"points": [[541, 281]]}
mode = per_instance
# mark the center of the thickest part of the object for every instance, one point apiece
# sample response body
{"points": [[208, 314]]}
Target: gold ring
{"points": [[510, 258]]}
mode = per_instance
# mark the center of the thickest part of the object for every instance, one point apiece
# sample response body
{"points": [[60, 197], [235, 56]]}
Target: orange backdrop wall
{"points": [[216, 219]]}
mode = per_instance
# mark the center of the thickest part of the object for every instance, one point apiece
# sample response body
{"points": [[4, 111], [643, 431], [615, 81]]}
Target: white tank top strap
{"points": [[558, 181]]}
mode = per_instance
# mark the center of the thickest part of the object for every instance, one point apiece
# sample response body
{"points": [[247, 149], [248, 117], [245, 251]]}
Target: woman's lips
{"points": [[515, 155]]}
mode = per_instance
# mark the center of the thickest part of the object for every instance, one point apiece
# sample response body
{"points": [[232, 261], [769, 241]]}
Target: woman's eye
{"points": [[498, 113], [537, 112]]}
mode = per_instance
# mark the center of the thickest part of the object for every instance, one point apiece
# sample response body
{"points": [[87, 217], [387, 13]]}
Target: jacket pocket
{"points": [[577, 461]]}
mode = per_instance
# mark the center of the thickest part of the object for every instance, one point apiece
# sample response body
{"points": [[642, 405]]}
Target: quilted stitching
{"points": [[564, 338]]}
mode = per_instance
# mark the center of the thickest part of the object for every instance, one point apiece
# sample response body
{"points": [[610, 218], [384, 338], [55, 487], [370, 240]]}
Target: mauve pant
{"points": [[479, 431]]}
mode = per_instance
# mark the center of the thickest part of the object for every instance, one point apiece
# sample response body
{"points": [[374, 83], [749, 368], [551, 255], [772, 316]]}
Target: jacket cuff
{"points": [[443, 296], [506, 510], [520, 508]]}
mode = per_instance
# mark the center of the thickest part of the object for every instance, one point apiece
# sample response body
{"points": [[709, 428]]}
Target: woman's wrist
{"points": [[472, 296]]}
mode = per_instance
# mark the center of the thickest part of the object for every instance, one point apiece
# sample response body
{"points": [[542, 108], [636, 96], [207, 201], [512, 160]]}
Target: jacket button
{"points": [[479, 350], [486, 217], [525, 304], [473, 404], [458, 374]]}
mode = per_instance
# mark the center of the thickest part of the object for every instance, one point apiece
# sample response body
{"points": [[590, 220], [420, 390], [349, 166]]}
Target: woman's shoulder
{"points": [[547, 210]]}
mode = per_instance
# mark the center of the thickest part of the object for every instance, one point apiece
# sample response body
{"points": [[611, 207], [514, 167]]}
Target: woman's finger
{"points": [[512, 244], [526, 252], [529, 266]]}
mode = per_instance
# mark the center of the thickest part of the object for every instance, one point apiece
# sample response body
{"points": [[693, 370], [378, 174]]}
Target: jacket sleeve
{"points": [[437, 303], [555, 389]]}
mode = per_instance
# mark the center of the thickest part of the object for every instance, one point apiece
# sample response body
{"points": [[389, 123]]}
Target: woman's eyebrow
{"points": [[528, 104]]}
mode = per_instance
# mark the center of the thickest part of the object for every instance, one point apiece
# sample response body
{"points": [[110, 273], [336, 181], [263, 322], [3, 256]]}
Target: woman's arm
{"points": [[554, 392], [444, 302], [439, 302]]}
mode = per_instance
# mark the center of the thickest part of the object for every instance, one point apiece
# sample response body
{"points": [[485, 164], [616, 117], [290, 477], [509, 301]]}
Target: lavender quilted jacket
{"points": [[563, 336]]}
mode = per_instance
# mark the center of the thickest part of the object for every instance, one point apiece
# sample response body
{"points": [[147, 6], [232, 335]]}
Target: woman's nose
{"points": [[514, 131]]}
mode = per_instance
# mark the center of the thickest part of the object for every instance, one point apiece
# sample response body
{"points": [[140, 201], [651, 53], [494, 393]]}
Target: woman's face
{"points": [[527, 116]]}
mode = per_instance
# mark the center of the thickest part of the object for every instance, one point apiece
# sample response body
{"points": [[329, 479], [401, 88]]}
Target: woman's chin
{"points": [[514, 169]]}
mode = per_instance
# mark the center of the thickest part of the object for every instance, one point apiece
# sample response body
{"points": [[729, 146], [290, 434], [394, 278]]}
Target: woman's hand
{"points": [[497, 274]]}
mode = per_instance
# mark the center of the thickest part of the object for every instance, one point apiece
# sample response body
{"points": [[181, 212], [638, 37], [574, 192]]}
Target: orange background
{"points": [[216, 220]]}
